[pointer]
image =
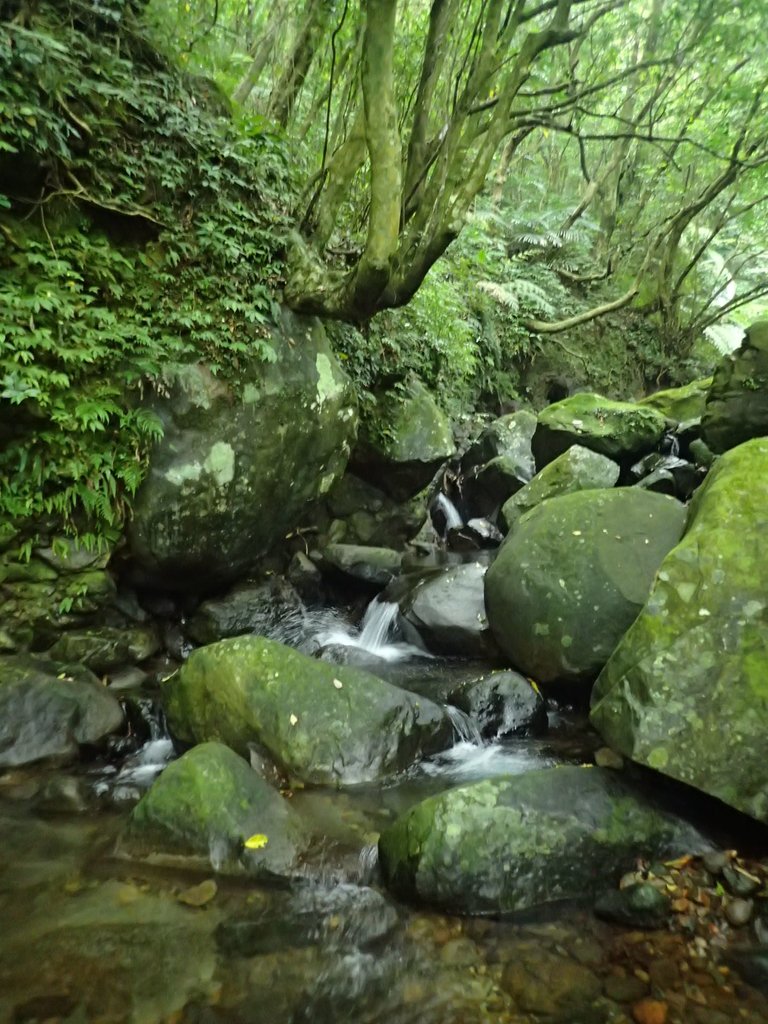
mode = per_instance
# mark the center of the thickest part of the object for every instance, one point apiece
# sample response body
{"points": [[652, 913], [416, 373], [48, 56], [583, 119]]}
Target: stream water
{"points": [[86, 936]]}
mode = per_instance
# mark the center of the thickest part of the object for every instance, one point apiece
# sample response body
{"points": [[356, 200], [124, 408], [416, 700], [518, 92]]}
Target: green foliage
{"points": [[140, 225]]}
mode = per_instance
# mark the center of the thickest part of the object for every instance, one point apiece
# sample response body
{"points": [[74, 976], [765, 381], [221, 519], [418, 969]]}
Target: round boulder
{"points": [[236, 468], [502, 704], [211, 805], [573, 575], [323, 724]]}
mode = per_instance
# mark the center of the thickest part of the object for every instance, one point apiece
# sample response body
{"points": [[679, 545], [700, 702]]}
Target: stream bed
{"points": [[88, 936]]}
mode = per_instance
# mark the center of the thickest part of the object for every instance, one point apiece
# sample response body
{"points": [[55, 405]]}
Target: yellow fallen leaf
{"points": [[293, 719], [256, 842], [337, 683]]}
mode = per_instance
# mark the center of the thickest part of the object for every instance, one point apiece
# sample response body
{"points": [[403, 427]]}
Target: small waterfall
{"points": [[374, 634], [464, 727], [368, 865], [449, 510], [674, 446]]}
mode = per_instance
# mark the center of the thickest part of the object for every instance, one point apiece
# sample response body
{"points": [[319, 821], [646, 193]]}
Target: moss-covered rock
{"points": [[324, 724], [103, 648], [577, 469], [737, 403], [680, 404], [377, 566], [234, 471], [405, 440], [573, 575], [686, 691], [205, 806], [615, 429], [512, 843], [49, 710]]}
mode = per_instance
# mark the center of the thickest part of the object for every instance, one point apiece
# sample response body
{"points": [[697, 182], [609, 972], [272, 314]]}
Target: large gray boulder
{"points": [[616, 429], [512, 843], [737, 402], [323, 724], [573, 575], [577, 469], [206, 806], [405, 440], [236, 468], [446, 609], [48, 711], [686, 691]]}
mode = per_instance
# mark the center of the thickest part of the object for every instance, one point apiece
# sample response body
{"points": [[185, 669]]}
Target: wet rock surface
{"points": [[502, 704], [737, 401]]}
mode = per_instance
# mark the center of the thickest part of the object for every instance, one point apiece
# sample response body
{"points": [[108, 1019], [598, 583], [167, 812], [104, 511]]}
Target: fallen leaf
{"points": [[293, 719], [256, 842], [681, 862], [337, 683]]}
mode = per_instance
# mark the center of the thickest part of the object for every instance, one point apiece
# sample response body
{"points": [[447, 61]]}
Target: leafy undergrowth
{"points": [[139, 224]]}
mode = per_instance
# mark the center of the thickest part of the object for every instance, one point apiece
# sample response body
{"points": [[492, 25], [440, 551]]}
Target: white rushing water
{"points": [[452, 518], [375, 635]]}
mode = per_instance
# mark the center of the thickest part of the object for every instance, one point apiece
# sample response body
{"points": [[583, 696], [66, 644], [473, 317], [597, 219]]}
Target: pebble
{"points": [[649, 1011], [199, 895], [739, 912]]}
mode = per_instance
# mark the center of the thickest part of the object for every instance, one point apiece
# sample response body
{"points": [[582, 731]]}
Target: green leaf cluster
{"points": [[139, 225]]}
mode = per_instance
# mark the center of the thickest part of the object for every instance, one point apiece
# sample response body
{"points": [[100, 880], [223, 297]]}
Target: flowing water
{"points": [[87, 936]]}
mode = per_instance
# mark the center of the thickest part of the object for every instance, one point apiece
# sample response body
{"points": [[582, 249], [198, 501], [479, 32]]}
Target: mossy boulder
{"points": [[103, 648], [680, 404], [48, 711], [236, 468], [204, 807], [321, 723], [509, 437], [619, 430], [377, 566], [686, 691], [512, 843], [573, 575], [406, 438], [577, 469], [737, 403]]}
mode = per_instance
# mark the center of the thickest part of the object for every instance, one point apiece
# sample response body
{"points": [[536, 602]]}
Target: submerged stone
{"points": [[615, 429], [513, 843], [686, 691], [572, 576], [320, 723], [210, 805]]}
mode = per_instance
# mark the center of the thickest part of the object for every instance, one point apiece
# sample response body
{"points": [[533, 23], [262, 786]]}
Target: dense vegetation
{"points": [[577, 182]]}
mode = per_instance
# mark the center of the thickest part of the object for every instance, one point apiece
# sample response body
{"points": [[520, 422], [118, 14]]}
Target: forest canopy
{"points": [[458, 187]]}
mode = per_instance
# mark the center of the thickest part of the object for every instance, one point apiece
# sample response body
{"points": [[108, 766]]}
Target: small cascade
{"points": [[368, 865], [464, 727], [374, 636], [140, 768], [453, 519]]}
